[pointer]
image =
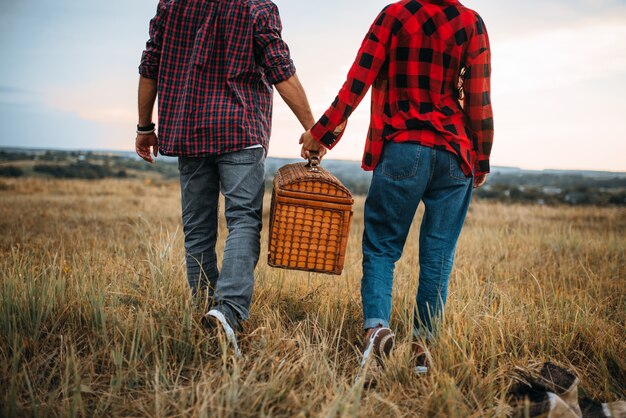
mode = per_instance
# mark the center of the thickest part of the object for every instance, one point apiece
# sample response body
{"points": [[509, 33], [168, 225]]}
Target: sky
{"points": [[68, 75]]}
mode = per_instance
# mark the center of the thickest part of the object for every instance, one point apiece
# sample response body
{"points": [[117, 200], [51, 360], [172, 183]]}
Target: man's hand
{"points": [[143, 144], [480, 180], [310, 144]]}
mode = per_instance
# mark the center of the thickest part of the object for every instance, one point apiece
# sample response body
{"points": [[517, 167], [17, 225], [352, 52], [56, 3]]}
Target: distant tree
{"points": [[618, 199], [79, 170], [11, 171]]}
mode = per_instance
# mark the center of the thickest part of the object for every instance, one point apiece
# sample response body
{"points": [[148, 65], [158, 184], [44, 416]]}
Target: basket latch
{"points": [[314, 162]]}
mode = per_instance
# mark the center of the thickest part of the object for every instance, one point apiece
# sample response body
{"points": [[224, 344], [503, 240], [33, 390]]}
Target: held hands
{"points": [[310, 144], [143, 143]]}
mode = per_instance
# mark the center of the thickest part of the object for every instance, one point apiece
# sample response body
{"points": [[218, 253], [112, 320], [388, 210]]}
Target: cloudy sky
{"points": [[68, 75]]}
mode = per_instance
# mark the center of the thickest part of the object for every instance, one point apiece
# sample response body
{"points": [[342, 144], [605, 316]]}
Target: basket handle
{"points": [[314, 162]]}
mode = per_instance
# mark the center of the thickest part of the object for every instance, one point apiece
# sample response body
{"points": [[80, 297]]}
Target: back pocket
{"points": [[244, 156], [400, 160], [455, 168]]}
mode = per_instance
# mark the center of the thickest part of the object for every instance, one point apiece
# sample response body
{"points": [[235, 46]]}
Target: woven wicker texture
{"points": [[310, 220], [298, 178]]}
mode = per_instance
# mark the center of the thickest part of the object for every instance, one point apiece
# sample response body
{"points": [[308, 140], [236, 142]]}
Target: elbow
{"points": [[280, 71], [149, 65]]}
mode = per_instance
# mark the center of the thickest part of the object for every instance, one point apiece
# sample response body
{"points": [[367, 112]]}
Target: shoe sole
{"points": [[423, 362], [379, 346], [228, 330], [419, 370]]}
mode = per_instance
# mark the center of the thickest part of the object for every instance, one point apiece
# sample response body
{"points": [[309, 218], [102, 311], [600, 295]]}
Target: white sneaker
{"points": [[215, 315]]}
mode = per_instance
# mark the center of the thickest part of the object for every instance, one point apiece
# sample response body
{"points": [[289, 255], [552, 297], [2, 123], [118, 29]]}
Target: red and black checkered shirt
{"points": [[215, 63], [430, 65]]}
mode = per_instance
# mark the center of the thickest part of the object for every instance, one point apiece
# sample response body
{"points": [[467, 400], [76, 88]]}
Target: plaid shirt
{"points": [[215, 63], [430, 65]]}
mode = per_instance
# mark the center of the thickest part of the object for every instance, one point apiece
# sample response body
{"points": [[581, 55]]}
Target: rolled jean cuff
{"points": [[375, 322]]}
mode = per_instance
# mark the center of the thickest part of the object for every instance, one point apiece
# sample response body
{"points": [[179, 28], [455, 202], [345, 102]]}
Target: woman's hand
{"points": [[480, 180]]}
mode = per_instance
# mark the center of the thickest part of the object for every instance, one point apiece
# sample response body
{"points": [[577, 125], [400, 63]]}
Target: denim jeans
{"points": [[240, 178], [407, 174]]}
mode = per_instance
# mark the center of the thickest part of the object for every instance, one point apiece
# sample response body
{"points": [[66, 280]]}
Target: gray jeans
{"points": [[240, 177]]}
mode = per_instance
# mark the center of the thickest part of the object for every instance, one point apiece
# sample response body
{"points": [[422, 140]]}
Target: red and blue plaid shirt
{"points": [[430, 65], [215, 63]]}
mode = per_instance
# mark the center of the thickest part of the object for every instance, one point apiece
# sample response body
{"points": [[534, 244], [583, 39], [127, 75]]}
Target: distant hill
{"points": [[508, 184]]}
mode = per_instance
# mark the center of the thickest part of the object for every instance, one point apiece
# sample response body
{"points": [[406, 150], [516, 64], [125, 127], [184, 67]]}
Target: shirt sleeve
{"points": [[370, 59], [151, 57], [477, 100], [271, 51]]}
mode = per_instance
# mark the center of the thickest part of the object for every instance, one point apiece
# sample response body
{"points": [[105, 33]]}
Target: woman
{"points": [[430, 138]]}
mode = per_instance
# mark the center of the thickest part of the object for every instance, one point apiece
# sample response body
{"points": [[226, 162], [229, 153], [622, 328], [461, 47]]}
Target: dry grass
{"points": [[95, 318]]}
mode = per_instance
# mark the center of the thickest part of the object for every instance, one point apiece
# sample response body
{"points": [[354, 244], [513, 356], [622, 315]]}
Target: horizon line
{"points": [[130, 151]]}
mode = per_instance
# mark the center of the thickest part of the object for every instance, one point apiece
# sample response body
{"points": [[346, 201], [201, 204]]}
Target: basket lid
{"points": [[298, 179]]}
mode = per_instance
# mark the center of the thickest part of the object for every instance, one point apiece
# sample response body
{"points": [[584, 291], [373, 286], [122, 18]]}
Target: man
{"points": [[425, 143], [212, 65]]}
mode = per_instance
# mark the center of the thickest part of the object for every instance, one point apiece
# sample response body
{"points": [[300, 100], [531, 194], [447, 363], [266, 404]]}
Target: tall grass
{"points": [[96, 320]]}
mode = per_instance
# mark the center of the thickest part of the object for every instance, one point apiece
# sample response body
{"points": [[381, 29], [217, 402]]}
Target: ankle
{"points": [[370, 331]]}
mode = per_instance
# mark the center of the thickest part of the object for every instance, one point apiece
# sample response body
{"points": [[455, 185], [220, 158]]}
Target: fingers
{"points": [[309, 144], [146, 156], [144, 153], [480, 180], [145, 146]]}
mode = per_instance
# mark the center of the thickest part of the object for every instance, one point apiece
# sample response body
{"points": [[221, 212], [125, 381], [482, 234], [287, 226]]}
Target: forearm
{"points": [[293, 94], [146, 97], [364, 72], [480, 114]]}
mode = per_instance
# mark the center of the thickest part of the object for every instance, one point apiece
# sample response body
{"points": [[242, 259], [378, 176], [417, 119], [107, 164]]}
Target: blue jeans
{"points": [[240, 177], [407, 174]]}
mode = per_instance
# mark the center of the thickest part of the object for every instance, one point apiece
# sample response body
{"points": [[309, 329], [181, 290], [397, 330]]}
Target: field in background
{"points": [[95, 318], [506, 184]]}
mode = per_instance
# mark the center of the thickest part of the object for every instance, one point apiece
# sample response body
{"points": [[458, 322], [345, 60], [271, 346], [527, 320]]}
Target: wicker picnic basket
{"points": [[310, 219]]}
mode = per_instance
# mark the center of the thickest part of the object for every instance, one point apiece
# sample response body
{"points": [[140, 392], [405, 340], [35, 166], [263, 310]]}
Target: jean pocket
{"points": [[245, 156], [400, 160], [455, 169]]}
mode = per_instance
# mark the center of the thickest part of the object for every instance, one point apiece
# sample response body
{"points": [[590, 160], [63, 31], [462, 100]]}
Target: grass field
{"points": [[95, 317]]}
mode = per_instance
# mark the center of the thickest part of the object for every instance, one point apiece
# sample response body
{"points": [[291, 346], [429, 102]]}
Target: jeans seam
{"points": [[453, 160], [433, 162]]}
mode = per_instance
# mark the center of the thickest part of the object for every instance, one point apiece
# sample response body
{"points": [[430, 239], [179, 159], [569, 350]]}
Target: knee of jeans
{"points": [[382, 263], [201, 259], [377, 250], [199, 243], [244, 221], [435, 245], [199, 234], [436, 263]]}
